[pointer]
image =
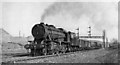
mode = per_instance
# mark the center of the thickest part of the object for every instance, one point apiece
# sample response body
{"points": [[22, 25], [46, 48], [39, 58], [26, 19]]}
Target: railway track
{"points": [[26, 57], [20, 58]]}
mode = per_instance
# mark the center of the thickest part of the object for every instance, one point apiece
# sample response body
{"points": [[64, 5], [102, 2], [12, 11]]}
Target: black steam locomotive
{"points": [[51, 40]]}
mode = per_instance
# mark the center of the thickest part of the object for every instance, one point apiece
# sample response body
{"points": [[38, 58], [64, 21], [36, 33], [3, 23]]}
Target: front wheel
{"points": [[44, 51]]}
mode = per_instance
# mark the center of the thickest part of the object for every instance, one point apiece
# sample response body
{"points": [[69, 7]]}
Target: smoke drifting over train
{"points": [[100, 15]]}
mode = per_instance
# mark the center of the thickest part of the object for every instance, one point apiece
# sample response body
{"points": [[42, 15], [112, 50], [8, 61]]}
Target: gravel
{"points": [[78, 57], [92, 56]]}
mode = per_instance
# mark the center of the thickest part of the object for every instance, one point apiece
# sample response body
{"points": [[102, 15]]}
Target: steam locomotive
{"points": [[51, 40]]}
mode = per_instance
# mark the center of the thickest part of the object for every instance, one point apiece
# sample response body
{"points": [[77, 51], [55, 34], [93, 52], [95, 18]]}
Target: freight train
{"points": [[51, 40]]}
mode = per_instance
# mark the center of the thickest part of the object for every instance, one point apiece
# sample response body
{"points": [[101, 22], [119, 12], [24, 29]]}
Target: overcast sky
{"points": [[21, 16]]}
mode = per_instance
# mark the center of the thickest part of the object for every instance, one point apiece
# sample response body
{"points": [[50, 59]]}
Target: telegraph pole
{"points": [[78, 35], [89, 31], [78, 32], [104, 35], [107, 45], [89, 34]]}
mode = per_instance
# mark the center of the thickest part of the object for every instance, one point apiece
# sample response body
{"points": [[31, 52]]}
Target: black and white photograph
{"points": [[59, 31]]}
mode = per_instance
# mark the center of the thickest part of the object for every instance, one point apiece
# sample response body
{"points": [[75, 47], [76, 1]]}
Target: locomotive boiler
{"points": [[42, 31], [48, 39]]}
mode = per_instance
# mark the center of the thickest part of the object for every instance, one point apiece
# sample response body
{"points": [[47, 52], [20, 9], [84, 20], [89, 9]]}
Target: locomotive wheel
{"points": [[33, 52], [44, 51], [53, 52], [54, 47], [69, 49], [57, 52], [64, 49]]}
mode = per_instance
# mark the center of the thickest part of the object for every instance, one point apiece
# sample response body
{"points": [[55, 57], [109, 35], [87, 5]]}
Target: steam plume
{"points": [[100, 15]]}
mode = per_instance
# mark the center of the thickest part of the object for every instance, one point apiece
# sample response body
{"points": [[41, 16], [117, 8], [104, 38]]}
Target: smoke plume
{"points": [[70, 15]]}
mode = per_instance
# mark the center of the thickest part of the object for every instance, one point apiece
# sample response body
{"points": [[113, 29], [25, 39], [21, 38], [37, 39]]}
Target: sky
{"points": [[22, 16]]}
